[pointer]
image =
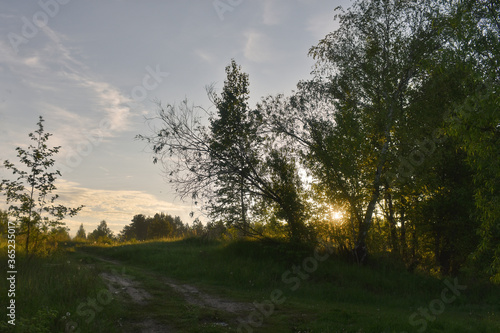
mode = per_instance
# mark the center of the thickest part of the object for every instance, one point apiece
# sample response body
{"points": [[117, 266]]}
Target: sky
{"points": [[93, 69]]}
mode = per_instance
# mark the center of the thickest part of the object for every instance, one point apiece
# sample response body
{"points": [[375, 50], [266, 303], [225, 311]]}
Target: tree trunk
{"points": [[402, 235], [392, 221], [243, 208], [361, 250]]}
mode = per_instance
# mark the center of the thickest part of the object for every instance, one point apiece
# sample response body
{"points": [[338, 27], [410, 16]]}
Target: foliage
{"points": [[4, 222], [351, 110], [81, 235], [397, 129], [232, 166], [475, 120], [161, 225], [32, 203], [373, 130], [102, 234]]}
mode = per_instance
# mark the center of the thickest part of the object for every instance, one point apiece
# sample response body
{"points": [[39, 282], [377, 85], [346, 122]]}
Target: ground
{"points": [[128, 290]]}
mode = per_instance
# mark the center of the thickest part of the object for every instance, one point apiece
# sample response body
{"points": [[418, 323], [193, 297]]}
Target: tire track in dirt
{"points": [[194, 296], [120, 283]]}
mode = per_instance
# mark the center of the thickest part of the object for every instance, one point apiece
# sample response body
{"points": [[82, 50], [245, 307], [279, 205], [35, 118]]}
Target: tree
{"points": [[101, 234], [179, 228], [364, 76], [290, 205], [4, 222], [81, 234], [139, 227], [223, 165], [233, 147], [475, 121], [30, 195], [160, 226]]}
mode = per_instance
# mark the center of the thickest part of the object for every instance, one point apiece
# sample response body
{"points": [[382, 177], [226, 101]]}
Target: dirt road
{"points": [[133, 294]]}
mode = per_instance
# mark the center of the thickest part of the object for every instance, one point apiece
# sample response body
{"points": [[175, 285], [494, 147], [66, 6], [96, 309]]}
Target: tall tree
{"points": [[30, 194], [160, 226], [475, 122], [102, 233], [139, 227], [366, 70], [233, 147], [224, 164], [81, 234]]}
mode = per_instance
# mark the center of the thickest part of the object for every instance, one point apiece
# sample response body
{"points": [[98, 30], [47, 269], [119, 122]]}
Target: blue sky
{"points": [[93, 68]]}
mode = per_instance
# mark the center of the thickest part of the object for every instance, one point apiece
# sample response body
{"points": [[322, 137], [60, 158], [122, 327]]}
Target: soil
{"points": [[193, 296], [116, 282], [121, 284]]}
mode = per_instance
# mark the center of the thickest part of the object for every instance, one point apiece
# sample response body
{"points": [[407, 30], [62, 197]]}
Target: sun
{"points": [[336, 215]]}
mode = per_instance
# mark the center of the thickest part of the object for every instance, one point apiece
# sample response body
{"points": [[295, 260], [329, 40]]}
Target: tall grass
{"points": [[49, 292], [338, 296]]}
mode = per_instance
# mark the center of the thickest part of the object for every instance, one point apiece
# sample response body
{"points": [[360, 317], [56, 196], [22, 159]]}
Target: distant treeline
{"points": [[144, 227], [161, 225]]}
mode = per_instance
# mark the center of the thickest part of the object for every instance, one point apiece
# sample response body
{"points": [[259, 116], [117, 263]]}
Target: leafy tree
{"points": [[426, 170], [290, 205], [4, 222], [232, 147], [58, 235], [364, 76], [161, 226], [224, 165], [30, 195], [475, 122], [197, 227], [81, 234], [139, 227], [179, 228], [101, 234]]}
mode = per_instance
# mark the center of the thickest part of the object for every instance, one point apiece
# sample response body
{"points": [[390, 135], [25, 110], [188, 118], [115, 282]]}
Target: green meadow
{"points": [[286, 289]]}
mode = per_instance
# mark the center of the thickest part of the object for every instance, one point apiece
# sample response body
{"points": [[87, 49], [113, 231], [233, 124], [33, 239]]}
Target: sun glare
{"points": [[337, 215]]}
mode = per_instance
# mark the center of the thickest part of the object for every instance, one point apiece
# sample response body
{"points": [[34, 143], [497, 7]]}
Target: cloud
{"points": [[114, 104], [117, 207], [55, 83], [54, 67], [258, 47], [204, 55], [107, 98]]}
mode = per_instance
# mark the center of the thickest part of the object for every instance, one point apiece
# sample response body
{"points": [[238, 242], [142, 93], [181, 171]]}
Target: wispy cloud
{"points": [[205, 55], [258, 47], [117, 207], [73, 94]]}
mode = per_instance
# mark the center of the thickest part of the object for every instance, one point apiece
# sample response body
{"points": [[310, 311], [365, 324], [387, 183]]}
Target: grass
{"points": [[336, 296], [54, 292], [297, 290]]}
